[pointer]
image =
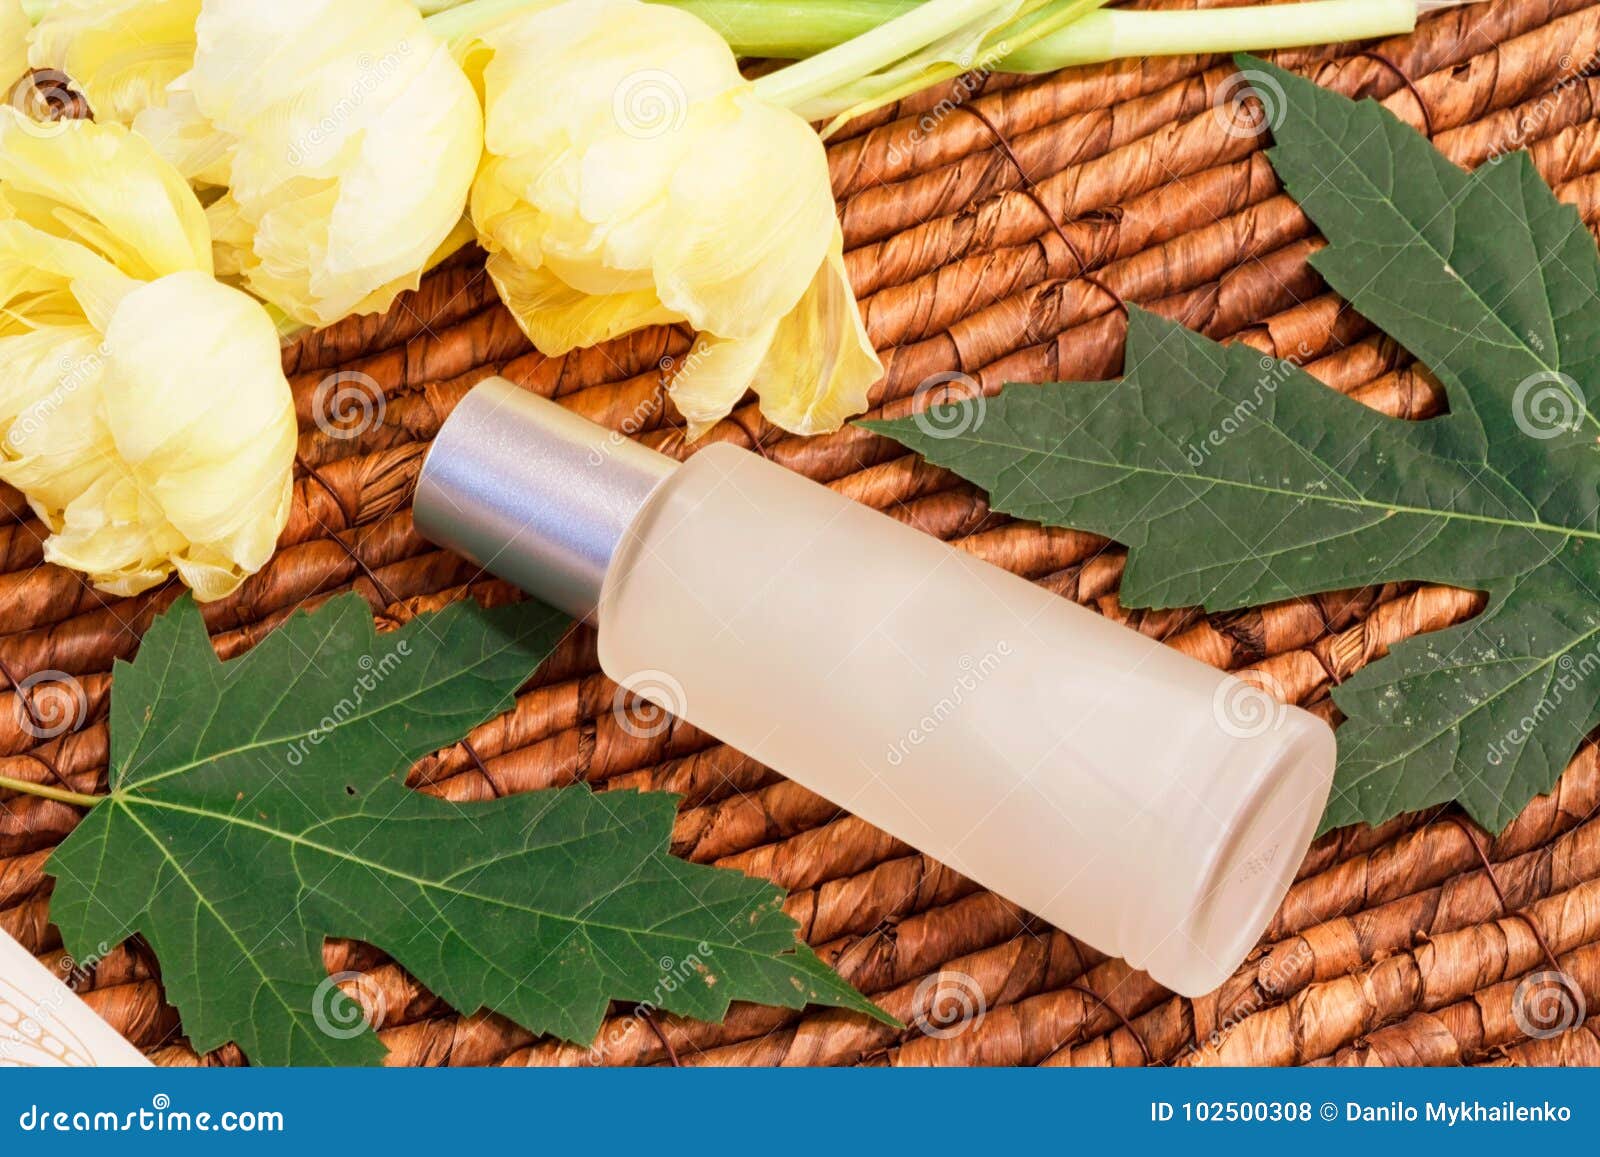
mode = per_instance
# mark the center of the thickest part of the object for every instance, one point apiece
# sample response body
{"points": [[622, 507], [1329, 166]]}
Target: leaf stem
{"points": [[43, 791]]}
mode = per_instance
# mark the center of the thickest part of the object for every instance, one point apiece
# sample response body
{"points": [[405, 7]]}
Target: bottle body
{"points": [[1096, 778]]}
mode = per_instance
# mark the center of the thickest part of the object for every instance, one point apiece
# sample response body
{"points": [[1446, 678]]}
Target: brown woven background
{"points": [[1402, 945]]}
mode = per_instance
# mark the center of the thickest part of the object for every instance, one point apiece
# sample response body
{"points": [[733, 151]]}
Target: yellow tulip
{"points": [[632, 177], [334, 143], [143, 407], [120, 54]]}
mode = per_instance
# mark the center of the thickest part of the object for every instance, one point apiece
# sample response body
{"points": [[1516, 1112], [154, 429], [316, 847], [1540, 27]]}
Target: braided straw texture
{"points": [[993, 229]]}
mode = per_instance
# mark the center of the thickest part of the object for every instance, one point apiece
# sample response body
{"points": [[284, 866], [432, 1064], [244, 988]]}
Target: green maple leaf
{"points": [[257, 807], [1237, 480]]}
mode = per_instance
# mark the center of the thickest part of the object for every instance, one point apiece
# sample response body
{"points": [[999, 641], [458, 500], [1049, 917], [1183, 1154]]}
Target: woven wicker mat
{"points": [[997, 234]]}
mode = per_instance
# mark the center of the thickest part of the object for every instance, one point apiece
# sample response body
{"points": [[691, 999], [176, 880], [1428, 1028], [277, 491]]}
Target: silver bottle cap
{"points": [[534, 493]]}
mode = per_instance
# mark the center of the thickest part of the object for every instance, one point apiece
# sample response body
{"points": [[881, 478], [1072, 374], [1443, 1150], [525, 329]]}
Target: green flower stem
{"points": [[859, 53], [798, 29], [43, 791], [863, 55], [792, 29], [451, 20], [851, 100], [779, 29], [841, 41], [1116, 33]]}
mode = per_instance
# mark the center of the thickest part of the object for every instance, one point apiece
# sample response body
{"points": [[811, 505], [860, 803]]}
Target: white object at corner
{"points": [[44, 1024]]}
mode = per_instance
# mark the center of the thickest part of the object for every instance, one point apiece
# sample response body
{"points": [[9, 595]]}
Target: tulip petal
{"points": [[104, 534], [216, 460], [387, 222], [751, 215], [179, 131], [55, 444], [575, 72], [811, 370], [558, 318], [821, 363], [120, 54], [713, 377], [14, 28], [112, 533], [501, 214], [145, 221], [46, 280]]}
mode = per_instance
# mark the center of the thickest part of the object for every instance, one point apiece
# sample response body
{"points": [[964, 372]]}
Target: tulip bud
{"points": [[341, 138], [143, 407], [633, 177]]}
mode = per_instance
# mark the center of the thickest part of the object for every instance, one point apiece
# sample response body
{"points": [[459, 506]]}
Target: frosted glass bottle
{"points": [[1139, 800]]}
